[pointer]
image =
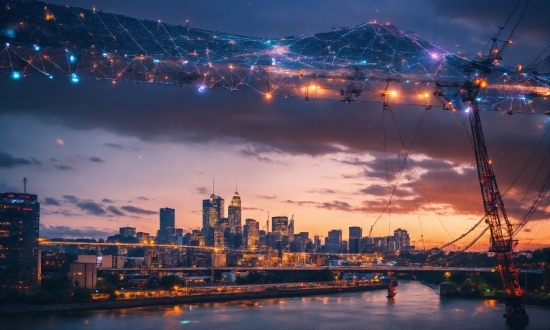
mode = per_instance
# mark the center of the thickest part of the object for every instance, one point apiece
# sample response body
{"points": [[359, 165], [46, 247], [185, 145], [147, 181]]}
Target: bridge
{"points": [[362, 268]]}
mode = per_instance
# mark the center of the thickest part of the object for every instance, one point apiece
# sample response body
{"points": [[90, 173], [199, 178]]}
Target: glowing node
{"points": [[393, 93], [16, 75], [156, 61], [37, 48], [72, 58], [268, 96], [7, 44], [202, 88], [105, 54], [74, 78], [467, 109]]}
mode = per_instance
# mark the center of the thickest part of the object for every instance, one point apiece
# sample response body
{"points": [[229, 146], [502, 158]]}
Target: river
{"points": [[416, 306]]}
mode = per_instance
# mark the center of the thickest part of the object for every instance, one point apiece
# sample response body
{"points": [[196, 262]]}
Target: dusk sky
{"points": [[102, 156]]}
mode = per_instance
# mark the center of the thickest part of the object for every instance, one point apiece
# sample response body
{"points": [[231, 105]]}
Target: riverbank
{"points": [[185, 299]]}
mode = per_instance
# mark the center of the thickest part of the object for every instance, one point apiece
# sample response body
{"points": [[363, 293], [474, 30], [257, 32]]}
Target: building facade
{"points": [[19, 226]]}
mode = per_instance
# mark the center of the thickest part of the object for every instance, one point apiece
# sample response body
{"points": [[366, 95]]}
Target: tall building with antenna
{"points": [[212, 210], [235, 214]]}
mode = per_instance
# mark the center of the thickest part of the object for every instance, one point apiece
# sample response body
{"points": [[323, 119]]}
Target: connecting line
{"points": [[418, 214], [464, 249], [544, 189], [414, 169], [464, 235], [532, 181], [436, 19], [481, 21], [399, 174], [527, 164]]}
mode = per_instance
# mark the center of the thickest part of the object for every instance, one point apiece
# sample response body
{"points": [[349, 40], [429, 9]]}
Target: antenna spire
{"points": [[25, 184], [212, 185]]}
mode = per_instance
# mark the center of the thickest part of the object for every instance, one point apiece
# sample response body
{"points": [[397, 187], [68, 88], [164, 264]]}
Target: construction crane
{"points": [[501, 242]]}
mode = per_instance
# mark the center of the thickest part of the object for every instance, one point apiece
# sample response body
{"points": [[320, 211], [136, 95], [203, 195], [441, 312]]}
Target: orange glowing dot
{"points": [[268, 96], [393, 93]]}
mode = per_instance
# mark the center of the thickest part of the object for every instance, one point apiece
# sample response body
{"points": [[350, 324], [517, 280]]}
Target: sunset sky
{"points": [[102, 156]]}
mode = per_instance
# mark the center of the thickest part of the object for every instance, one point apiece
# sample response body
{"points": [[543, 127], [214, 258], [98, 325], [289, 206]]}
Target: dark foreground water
{"points": [[416, 306]]}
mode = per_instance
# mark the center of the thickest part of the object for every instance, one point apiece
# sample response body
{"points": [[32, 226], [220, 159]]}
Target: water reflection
{"points": [[416, 307]]}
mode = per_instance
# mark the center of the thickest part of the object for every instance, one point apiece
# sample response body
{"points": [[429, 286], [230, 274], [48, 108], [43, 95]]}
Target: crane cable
{"points": [[420, 182], [399, 173]]}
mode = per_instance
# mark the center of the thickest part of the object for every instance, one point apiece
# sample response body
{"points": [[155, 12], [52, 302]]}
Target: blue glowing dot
{"points": [[72, 58], [50, 76], [407, 81], [156, 61], [363, 61], [488, 290], [37, 48], [104, 54], [15, 75], [478, 99], [7, 44], [202, 88], [74, 78], [185, 322]]}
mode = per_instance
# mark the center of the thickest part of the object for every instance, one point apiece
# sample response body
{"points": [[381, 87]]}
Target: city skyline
{"points": [[118, 159]]}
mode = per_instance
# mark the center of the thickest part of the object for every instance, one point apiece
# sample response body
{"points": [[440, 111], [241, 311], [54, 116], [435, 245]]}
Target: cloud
{"points": [[91, 207], [64, 167], [251, 208], [96, 160], [300, 203], [258, 157], [266, 196], [137, 210], [321, 191], [51, 201], [70, 232], [53, 159], [71, 199], [143, 198], [8, 161], [202, 190], [337, 205], [107, 200], [114, 210], [113, 145]]}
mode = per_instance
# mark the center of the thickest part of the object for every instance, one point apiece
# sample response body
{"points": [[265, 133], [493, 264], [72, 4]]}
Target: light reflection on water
{"points": [[416, 306]]}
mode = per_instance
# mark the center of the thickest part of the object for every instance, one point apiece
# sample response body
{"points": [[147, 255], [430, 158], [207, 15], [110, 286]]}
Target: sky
{"points": [[101, 156]]}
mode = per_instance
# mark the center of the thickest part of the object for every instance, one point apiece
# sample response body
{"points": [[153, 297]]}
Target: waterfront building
{"points": [[166, 232], [19, 225], [127, 231], [251, 234]]}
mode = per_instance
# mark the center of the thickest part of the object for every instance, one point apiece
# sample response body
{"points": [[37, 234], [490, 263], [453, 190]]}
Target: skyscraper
{"points": [[355, 232], [280, 225], [402, 238], [167, 226], [212, 211], [251, 235], [333, 242], [354, 241], [234, 214], [19, 225]]}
